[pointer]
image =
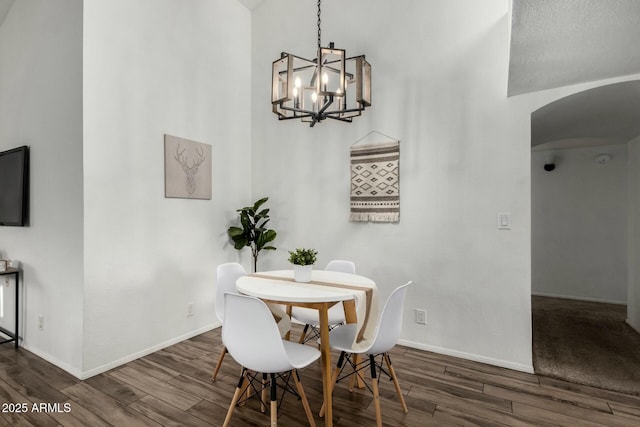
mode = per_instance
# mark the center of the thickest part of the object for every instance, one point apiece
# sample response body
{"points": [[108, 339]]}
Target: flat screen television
{"points": [[14, 186]]}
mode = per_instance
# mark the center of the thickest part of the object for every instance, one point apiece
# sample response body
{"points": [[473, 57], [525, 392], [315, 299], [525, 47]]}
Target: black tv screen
{"points": [[14, 186]]}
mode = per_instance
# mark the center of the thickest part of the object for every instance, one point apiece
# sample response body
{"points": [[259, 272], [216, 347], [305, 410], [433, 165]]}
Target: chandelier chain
{"points": [[319, 32]]}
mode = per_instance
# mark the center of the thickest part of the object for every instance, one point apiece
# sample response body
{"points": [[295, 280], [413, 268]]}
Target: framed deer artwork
{"points": [[187, 168]]}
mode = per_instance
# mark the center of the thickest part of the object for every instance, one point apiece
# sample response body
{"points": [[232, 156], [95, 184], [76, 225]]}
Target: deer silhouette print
{"points": [[190, 170]]}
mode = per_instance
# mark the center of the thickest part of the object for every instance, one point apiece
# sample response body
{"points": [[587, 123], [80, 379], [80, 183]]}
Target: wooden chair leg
{"points": [[236, 396], [352, 380], [333, 383], [360, 379], [392, 372], [220, 359], [274, 402], [334, 378], [303, 397], [376, 393], [357, 377], [304, 334], [247, 390]]}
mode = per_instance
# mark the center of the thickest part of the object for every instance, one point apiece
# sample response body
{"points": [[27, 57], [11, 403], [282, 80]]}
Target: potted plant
{"points": [[253, 231], [302, 260]]}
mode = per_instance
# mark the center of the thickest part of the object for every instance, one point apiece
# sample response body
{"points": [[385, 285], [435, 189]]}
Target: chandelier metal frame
{"points": [[334, 87]]}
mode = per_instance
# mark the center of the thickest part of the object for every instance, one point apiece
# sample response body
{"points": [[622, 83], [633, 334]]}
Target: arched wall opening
{"points": [[585, 211], [581, 211]]}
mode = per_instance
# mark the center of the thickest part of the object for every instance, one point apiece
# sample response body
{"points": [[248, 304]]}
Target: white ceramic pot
{"points": [[302, 273]]}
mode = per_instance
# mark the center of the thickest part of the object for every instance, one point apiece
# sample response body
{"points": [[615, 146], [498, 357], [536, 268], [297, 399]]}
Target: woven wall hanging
{"points": [[375, 179]]}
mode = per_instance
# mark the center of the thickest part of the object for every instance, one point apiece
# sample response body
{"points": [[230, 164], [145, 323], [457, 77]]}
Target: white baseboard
{"points": [[54, 361], [123, 360], [543, 294], [108, 366], [469, 356]]}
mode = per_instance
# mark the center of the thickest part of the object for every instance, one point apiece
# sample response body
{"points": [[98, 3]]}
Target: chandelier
{"points": [[328, 86]]}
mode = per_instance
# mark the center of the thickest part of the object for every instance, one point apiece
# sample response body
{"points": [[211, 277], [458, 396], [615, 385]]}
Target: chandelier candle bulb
{"points": [[296, 92]]}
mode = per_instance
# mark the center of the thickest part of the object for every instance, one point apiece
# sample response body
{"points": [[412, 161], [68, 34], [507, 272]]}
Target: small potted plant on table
{"points": [[302, 260]]}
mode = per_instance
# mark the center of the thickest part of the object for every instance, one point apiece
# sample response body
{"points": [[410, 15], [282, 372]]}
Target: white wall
{"points": [[579, 227], [633, 303], [159, 66], [439, 85], [41, 106], [153, 67]]}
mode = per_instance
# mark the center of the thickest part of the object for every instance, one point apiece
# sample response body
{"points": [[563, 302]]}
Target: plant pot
{"points": [[302, 273]]}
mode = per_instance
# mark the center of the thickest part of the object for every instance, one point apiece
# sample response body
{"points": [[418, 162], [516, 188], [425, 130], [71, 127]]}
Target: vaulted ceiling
{"points": [[557, 43], [603, 115]]}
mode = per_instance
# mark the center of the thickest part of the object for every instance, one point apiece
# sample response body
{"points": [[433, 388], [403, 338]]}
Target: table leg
{"points": [[349, 307], [325, 358]]}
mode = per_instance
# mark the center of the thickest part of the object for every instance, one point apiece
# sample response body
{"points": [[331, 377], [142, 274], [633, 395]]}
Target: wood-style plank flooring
{"points": [[172, 387]]}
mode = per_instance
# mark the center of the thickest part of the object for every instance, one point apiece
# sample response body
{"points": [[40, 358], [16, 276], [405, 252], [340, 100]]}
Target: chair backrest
{"points": [[251, 336], [390, 322], [227, 274], [341, 266]]}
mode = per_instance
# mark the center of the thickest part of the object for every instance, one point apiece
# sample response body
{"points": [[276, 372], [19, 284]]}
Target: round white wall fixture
{"points": [[603, 158]]}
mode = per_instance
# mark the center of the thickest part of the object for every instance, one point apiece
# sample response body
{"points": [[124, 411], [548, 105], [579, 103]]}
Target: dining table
{"points": [[358, 295]]}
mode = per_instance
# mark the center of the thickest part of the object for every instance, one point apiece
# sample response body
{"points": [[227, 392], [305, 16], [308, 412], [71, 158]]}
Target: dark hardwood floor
{"points": [[172, 388]]}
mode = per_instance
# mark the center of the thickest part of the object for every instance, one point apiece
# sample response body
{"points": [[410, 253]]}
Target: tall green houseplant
{"points": [[253, 232]]}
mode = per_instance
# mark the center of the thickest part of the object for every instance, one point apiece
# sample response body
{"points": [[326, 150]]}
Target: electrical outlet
{"points": [[421, 316], [190, 309], [41, 323]]}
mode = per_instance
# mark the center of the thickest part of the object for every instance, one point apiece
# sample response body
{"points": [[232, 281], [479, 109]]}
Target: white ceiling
{"points": [[557, 43], [603, 115]]}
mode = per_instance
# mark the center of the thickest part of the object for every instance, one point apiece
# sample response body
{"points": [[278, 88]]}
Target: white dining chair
{"points": [[255, 343], [227, 275], [310, 318], [386, 335], [342, 266]]}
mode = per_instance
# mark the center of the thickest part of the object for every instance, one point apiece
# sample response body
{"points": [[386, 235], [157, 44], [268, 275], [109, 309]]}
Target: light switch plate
{"points": [[504, 220]]}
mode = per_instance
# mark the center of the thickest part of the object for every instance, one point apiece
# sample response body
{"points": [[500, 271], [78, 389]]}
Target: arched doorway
{"points": [[580, 237]]}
